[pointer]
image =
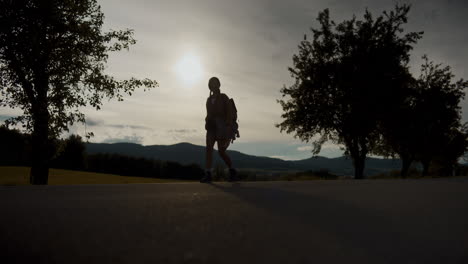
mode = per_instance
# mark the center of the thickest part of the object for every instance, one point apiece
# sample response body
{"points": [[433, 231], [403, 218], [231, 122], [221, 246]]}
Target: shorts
{"points": [[220, 132]]}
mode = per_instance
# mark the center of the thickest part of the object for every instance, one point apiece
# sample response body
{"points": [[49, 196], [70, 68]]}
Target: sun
{"points": [[189, 69]]}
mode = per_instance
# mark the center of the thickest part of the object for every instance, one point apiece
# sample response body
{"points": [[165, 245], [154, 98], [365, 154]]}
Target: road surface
{"points": [[345, 221]]}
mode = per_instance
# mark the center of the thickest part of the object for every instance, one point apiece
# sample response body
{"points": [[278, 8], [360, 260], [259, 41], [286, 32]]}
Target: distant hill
{"points": [[187, 153]]}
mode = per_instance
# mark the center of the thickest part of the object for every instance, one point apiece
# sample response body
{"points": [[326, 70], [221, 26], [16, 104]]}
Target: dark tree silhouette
{"points": [[138, 166], [52, 59], [71, 154], [347, 78], [426, 126], [398, 129], [15, 147], [438, 111], [456, 146]]}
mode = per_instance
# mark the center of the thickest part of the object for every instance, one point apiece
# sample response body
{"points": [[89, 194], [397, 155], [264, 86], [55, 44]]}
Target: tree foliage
{"points": [[53, 56], [347, 79], [71, 154], [61, 44], [15, 150], [427, 126], [437, 128]]}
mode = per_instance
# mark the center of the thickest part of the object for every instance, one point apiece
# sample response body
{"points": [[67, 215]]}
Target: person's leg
{"points": [[210, 141], [222, 146]]}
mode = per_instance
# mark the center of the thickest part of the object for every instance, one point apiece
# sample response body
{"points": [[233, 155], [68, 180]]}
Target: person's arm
{"points": [[207, 113], [207, 125], [227, 110]]}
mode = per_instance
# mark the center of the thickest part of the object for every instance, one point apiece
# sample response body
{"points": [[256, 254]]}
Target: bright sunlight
{"points": [[189, 69]]}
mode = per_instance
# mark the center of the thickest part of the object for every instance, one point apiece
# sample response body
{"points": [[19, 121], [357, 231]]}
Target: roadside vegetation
{"points": [[70, 154], [72, 165], [20, 176]]}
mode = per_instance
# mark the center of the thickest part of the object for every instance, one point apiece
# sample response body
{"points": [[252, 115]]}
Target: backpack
{"points": [[232, 113]]}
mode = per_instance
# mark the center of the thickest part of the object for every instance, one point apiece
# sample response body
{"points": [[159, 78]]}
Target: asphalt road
{"points": [[368, 221]]}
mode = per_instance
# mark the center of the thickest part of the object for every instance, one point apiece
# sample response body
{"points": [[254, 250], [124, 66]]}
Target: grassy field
{"points": [[20, 176]]}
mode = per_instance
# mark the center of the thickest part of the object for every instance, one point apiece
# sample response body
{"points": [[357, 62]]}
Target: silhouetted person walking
{"points": [[218, 125]]}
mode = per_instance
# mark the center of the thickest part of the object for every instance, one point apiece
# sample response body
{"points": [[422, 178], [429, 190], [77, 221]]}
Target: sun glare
{"points": [[189, 69]]}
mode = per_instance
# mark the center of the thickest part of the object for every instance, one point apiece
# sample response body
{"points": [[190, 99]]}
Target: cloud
{"points": [[126, 139], [183, 131], [128, 126], [184, 135], [94, 122], [305, 148], [283, 158], [101, 123]]}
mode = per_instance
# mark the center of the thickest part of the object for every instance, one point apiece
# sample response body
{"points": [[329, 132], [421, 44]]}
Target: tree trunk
{"points": [[358, 152], [359, 164], [406, 164], [40, 147]]}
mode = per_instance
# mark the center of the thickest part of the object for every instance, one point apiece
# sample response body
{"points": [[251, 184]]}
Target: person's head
{"points": [[214, 85]]}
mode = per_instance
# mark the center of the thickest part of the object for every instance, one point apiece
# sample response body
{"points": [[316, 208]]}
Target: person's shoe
{"points": [[206, 178], [233, 175]]}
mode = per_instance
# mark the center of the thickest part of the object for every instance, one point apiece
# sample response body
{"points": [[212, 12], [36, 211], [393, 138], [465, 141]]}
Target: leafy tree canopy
{"points": [[53, 53], [437, 111], [347, 78]]}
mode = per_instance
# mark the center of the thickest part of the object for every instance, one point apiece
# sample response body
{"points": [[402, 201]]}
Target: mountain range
{"points": [[186, 153]]}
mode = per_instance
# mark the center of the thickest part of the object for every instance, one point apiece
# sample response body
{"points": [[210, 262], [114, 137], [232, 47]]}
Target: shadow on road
{"points": [[366, 230]]}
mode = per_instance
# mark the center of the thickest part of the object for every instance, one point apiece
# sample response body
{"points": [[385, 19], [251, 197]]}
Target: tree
{"points": [[15, 150], [347, 78], [426, 126], [52, 60], [439, 131], [398, 129], [455, 147], [71, 154]]}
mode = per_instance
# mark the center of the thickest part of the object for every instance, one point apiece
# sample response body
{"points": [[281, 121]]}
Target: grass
{"points": [[20, 176]]}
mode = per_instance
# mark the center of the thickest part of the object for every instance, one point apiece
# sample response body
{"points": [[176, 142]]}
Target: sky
{"points": [[248, 45]]}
